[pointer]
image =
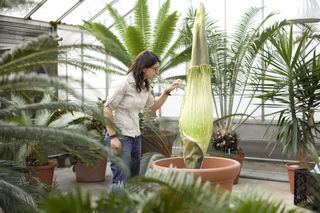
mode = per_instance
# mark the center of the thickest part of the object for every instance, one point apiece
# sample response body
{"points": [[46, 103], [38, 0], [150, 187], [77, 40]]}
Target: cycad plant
{"points": [[232, 58], [292, 88], [124, 41], [163, 192], [17, 78]]}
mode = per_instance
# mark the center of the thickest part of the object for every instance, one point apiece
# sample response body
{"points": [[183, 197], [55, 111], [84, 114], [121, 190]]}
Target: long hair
{"points": [[145, 59]]}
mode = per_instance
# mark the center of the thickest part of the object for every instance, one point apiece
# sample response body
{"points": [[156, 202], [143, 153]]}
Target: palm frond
{"points": [[119, 20], [40, 44], [71, 140], [111, 43], [162, 14], [142, 21], [167, 186], [16, 192], [164, 33], [134, 40], [20, 82], [177, 59], [13, 197]]}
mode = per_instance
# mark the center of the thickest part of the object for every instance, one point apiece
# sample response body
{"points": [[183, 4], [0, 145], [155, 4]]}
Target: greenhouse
{"points": [[159, 106]]}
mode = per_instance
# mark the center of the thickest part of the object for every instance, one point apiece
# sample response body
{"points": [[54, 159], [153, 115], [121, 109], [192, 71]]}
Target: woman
{"points": [[126, 99]]}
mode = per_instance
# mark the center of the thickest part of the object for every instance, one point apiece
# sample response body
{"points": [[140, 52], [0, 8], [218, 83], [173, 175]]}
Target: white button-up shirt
{"points": [[126, 103]]}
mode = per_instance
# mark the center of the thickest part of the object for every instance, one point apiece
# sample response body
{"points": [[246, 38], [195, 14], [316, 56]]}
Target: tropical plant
{"points": [[196, 116], [126, 41], [292, 87], [160, 191], [17, 195], [16, 77], [233, 59]]}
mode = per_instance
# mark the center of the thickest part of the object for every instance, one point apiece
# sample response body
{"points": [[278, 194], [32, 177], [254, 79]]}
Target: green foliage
{"points": [[142, 35], [18, 126], [168, 191], [16, 193], [72, 202], [233, 59], [291, 86]]}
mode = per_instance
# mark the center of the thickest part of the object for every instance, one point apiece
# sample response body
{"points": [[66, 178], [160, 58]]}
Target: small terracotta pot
{"points": [[97, 173], [291, 167], [45, 173], [217, 170]]}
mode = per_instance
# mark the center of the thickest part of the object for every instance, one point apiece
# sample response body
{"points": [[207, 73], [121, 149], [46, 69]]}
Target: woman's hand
{"points": [[116, 145], [176, 84]]}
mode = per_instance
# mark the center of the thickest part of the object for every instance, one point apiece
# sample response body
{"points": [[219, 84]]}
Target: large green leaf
{"points": [[134, 40], [111, 43], [142, 21], [164, 34]]}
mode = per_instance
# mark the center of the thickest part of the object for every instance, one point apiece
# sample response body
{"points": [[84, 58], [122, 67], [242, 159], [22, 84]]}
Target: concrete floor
{"points": [[65, 180]]}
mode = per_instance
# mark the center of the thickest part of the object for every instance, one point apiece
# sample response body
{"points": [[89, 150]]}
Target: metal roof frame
{"points": [[33, 10], [28, 16], [70, 10], [101, 11]]}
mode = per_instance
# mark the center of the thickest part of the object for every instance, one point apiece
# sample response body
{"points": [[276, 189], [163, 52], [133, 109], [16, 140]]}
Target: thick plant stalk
{"points": [[196, 116]]}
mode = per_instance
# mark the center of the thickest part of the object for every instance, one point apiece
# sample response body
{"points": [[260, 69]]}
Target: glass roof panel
{"points": [[17, 8], [122, 6], [85, 11], [53, 9]]}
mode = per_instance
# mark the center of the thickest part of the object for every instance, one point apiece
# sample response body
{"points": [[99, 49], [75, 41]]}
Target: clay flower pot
{"points": [[97, 173], [45, 173], [217, 170]]}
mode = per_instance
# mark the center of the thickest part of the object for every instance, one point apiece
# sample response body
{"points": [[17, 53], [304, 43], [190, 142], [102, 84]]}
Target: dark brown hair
{"points": [[145, 59]]}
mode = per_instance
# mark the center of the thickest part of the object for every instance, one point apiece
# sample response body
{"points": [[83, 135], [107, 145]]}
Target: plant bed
{"points": [[307, 189]]}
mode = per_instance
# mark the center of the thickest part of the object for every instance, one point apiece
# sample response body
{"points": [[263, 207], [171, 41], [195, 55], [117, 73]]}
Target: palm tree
{"points": [[126, 41], [292, 88], [17, 77]]}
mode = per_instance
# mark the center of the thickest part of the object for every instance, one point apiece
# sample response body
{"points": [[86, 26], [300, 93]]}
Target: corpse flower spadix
{"points": [[196, 116]]}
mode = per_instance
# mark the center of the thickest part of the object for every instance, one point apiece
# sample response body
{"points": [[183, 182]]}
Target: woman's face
{"points": [[151, 72]]}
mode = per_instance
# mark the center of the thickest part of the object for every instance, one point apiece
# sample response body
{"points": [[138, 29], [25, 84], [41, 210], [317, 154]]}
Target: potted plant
{"points": [[233, 58], [197, 118], [17, 77], [94, 171], [291, 88], [34, 153]]}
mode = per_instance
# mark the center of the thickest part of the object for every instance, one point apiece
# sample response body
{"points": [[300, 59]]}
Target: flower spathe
{"points": [[196, 115]]}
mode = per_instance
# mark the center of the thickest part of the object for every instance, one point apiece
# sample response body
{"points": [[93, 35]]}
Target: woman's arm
{"points": [[115, 143], [163, 97]]}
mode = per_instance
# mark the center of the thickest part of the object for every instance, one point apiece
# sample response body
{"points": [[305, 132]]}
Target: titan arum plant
{"points": [[196, 117]]}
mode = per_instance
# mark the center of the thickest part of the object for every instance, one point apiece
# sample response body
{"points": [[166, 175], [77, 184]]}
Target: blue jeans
{"points": [[130, 154]]}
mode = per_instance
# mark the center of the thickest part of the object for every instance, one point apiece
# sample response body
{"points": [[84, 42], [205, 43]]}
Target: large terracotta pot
{"points": [[97, 173], [217, 170], [45, 173], [291, 167]]}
